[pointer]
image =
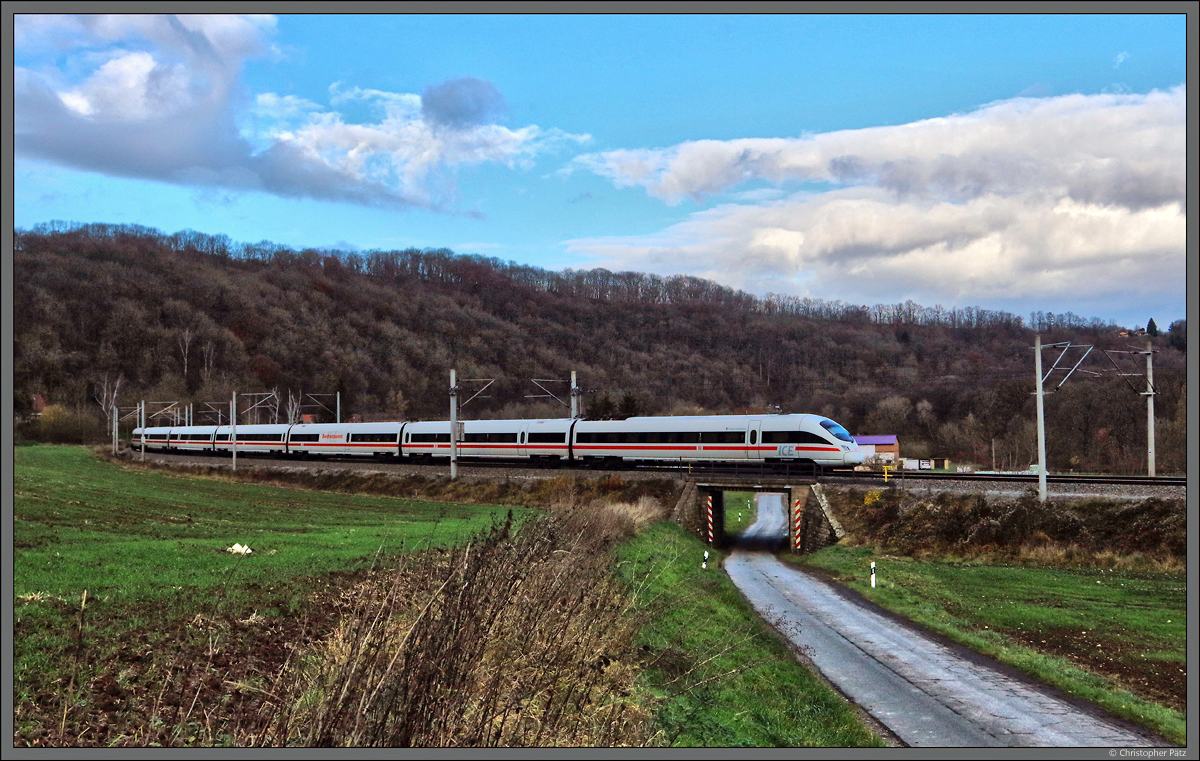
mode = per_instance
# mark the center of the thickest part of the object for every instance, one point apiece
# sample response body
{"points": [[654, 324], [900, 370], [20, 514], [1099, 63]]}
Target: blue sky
{"points": [[1015, 162]]}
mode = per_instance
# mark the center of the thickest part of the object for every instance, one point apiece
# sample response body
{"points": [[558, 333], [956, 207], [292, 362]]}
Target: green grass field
{"points": [[1098, 634], [134, 536], [150, 548]]}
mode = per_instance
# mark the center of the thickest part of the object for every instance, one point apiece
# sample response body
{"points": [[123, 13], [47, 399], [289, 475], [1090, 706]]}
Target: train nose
{"points": [[854, 457]]}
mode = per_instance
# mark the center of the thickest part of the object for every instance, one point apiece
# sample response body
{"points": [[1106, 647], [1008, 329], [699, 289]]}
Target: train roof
{"points": [[763, 416]]}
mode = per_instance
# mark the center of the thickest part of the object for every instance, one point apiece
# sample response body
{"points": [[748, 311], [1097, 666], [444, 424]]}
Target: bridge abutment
{"points": [[811, 522]]}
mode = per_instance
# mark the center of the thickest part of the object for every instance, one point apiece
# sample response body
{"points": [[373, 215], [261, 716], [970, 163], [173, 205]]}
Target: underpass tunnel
{"points": [[769, 532], [779, 516]]}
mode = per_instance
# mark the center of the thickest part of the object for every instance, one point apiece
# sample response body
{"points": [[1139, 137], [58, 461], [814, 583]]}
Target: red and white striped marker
{"points": [[796, 524], [711, 534]]}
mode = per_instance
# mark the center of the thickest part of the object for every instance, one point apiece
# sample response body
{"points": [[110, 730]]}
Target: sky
{"points": [[1011, 162]]}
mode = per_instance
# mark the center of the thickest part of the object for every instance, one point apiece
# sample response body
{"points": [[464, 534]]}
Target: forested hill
{"points": [[194, 317]]}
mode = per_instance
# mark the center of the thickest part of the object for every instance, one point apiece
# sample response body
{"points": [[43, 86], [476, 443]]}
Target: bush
{"points": [[969, 524], [60, 425]]}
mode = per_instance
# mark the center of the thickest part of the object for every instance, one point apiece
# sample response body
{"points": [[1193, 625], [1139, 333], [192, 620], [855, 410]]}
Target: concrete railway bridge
{"points": [[811, 523]]}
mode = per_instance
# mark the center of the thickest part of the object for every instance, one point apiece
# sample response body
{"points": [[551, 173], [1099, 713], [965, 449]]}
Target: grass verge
{"points": [[717, 674], [1115, 638], [740, 511]]}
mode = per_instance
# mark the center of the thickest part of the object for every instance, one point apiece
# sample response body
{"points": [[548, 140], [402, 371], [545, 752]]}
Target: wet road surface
{"points": [[927, 693]]}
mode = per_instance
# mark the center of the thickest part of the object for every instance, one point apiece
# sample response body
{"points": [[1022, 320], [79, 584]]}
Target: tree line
{"points": [[194, 317]]}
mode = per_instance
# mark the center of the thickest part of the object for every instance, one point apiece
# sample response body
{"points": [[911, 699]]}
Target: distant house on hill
{"points": [[39, 406], [879, 450]]}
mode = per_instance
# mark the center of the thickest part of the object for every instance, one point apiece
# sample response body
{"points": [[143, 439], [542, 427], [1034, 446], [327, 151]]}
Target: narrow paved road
{"points": [[925, 692]]}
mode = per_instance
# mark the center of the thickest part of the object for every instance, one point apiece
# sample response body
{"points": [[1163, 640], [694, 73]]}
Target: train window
{"points": [[299, 437], [722, 437], [373, 438], [838, 431], [260, 437], [426, 438], [491, 438], [522, 437], [754, 437], [792, 437]]}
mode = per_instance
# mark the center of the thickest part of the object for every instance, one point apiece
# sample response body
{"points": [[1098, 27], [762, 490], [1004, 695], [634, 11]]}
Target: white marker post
{"points": [[705, 563], [233, 430], [872, 574]]}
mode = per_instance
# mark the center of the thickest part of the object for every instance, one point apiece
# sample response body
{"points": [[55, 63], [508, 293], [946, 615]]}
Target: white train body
{"points": [[719, 438], [196, 438], [695, 439], [366, 439], [251, 439]]}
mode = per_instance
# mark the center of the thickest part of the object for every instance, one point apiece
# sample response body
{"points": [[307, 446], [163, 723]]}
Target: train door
{"points": [[753, 440], [523, 440]]}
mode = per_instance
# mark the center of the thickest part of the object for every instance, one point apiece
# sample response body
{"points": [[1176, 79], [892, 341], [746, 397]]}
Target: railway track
{"points": [[751, 471], [1055, 478], [832, 476]]}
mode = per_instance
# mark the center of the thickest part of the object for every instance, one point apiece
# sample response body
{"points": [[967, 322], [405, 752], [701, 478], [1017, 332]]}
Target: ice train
{"points": [[796, 438]]}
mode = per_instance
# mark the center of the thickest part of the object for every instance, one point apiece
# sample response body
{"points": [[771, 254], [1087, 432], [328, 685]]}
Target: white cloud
{"points": [[1102, 145], [1074, 197], [160, 97]]}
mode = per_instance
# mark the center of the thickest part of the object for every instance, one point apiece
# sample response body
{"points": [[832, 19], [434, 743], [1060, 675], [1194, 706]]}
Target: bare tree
{"points": [[185, 342], [209, 355], [293, 408], [106, 395]]}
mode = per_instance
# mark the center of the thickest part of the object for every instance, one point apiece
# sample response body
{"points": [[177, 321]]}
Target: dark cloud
{"points": [[156, 148], [163, 103], [848, 168], [461, 102], [286, 171], [196, 146]]}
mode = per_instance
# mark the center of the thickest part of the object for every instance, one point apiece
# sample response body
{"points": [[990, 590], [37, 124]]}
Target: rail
{"points": [[749, 471]]}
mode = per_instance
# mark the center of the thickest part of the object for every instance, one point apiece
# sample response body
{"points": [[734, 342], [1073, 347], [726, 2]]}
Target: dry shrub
{"points": [[1146, 534], [640, 514], [522, 638]]}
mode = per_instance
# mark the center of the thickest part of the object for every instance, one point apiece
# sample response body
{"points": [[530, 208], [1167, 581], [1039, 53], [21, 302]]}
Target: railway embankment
{"points": [[1098, 531], [529, 487]]}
